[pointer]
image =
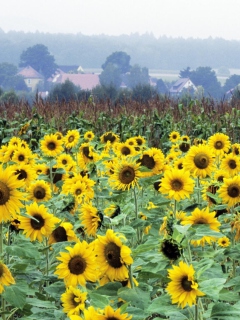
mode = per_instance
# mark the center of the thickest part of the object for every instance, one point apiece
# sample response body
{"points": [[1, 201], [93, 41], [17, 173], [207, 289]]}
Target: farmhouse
{"points": [[32, 78], [179, 85], [86, 81]]}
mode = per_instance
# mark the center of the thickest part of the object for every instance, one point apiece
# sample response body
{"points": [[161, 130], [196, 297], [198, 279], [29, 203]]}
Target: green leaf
{"points": [[109, 289], [20, 250], [98, 300], [223, 311], [14, 296], [212, 287], [135, 296]]}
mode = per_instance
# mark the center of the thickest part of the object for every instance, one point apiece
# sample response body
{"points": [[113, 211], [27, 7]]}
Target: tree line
{"points": [[146, 50]]}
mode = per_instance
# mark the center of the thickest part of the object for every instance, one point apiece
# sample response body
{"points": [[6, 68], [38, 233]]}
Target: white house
{"points": [[180, 84]]}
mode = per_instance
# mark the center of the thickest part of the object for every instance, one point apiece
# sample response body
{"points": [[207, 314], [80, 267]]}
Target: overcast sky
{"points": [[175, 18]]}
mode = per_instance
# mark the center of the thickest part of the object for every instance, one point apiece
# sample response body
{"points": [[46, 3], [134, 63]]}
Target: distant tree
{"points": [[15, 83], [39, 58], [7, 70], [111, 76], [66, 91], [120, 60], [185, 73], [143, 92], [161, 87], [231, 82], [9, 97], [138, 76]]}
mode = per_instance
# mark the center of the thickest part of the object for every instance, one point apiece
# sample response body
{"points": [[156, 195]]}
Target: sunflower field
{"points": [[119, 212]]}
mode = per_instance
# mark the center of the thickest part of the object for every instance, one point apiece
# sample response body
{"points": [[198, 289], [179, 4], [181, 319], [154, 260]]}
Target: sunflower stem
{"points": [[189, 252], [136, 215], [130, 276], [1, 240], [198, 191], [196, 311]]}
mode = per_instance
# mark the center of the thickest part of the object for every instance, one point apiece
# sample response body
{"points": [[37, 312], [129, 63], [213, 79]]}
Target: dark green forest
{"points": [[146, 50]]}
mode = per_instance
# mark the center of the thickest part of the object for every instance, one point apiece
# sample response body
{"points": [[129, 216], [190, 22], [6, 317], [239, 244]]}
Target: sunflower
{"points": [[7, 153], [71, 139], [65, 161], [73, 301], [209, 189], [24, 172], [39, 191], [40, 223], [86, 155], [109, 137], [231, 164], [59, 135], [126, 174], [51, 146], [78, 265], [22, 155], [235, 226], [174, 136], [199, 160], [113, 256], [6, 278], [178, 163], [176, 184], [224, 242], [89, 135], [89, 314], [202, 217], [219, 143], [220, 174], [10, 196], [110, 314], [229, 191], [112, 211], [123, 149], [91, 219], [15, 141], [64, 232], [182, 287], [153, 159]]}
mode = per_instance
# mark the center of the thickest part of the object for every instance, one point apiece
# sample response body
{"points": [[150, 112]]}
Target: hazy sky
{"points": [[176, 18]]}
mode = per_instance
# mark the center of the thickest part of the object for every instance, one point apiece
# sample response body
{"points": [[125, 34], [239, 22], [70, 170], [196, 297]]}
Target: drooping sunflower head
{"points": [[63, 232], [219, 143], [6, 278], [112, 211], [109, 136], [71, 139], [51, 146], [24, 172], [170, 249], [182, 287], [91, 219], [110, 314], [73, 300], [220, 174], [126, 174], [236, 149], [200, 161]]}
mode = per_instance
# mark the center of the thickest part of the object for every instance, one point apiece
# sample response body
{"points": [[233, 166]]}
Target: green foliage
{"points": [[120, 60], [39, 58]]}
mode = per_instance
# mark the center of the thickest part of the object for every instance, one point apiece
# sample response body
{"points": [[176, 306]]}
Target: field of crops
{"points": [[118, 212]]}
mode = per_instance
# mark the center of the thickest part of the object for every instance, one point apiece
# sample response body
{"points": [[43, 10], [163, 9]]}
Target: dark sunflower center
{"points": [[109, 137], [38, 223], [174, 136], [147, 161], [112, 254], [201, 160], [200, 221], [4, 193], [186, 284], [127, 175], [232, 164], [21, 157], [236, 151], [22, 174], [177, 185], [233, 190], [59, 234], [71, 139], [77, 265], [86, 152], [78, 192], [51, 146], [180, 166], [125, 151], [139, 141], [218, 145], [64, 161], [184, 147], [73, 300], [220, 178], [39, 193], [112, 318]]}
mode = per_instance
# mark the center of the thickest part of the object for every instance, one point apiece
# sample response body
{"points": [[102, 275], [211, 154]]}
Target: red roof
{"points": [[29, 72], [86, 81]]}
